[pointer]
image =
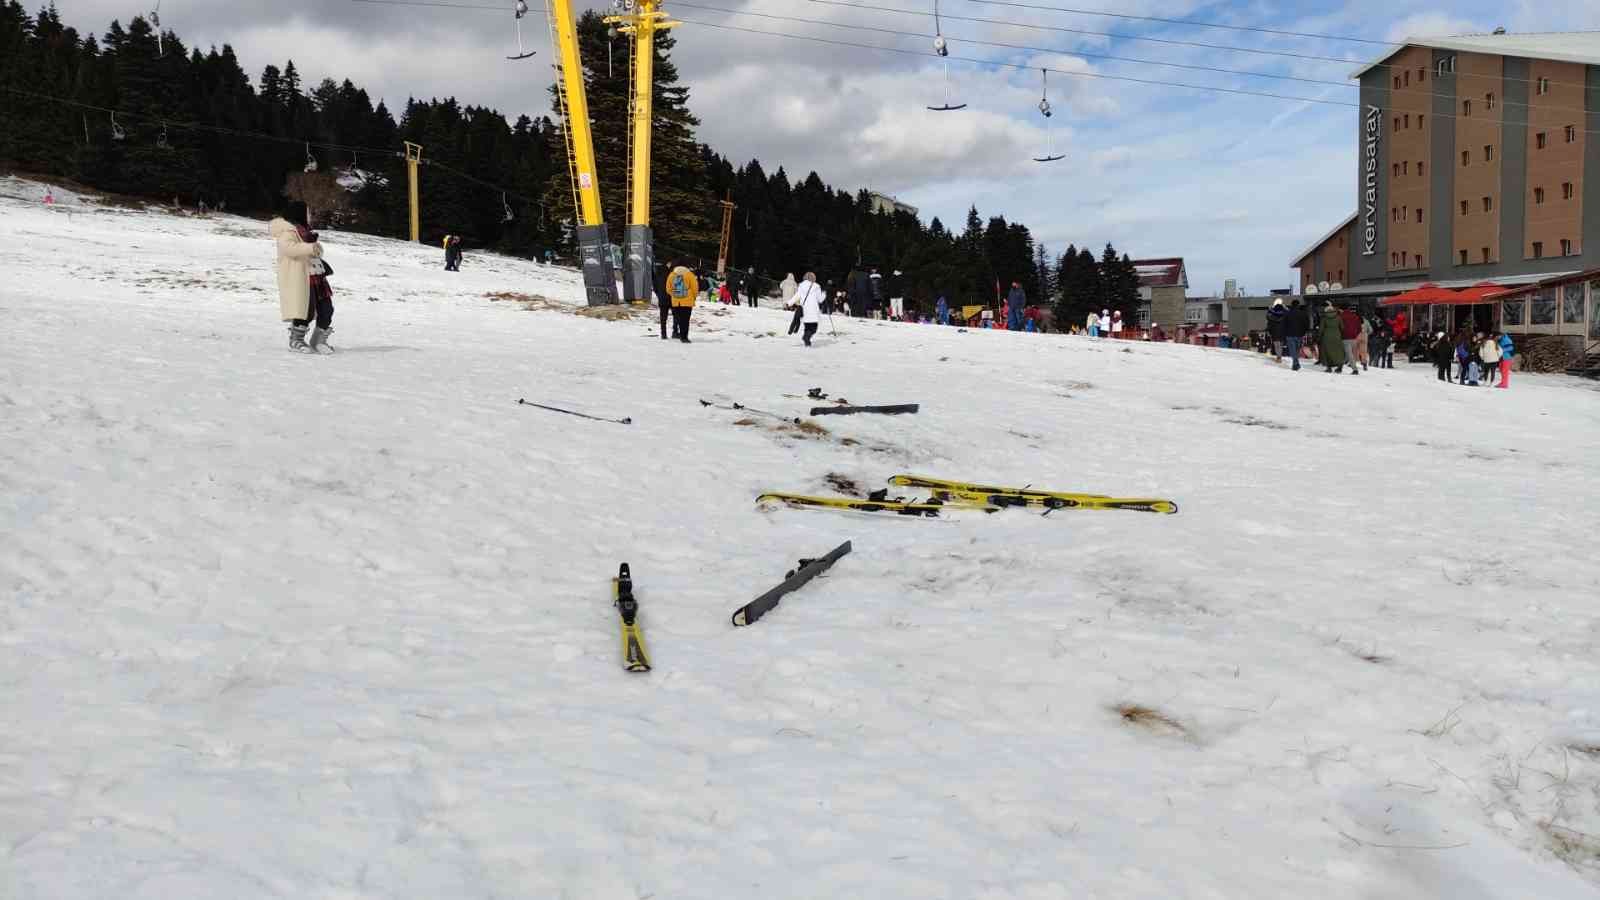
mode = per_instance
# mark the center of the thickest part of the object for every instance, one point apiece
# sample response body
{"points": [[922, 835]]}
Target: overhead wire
{"points": [[1193, 23], [1349, 85]]}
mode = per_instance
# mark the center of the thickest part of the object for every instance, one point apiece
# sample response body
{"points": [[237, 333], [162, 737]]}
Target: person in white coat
{"points": [[295, 254], [808, 298], [787, 288], [1091, 324]]}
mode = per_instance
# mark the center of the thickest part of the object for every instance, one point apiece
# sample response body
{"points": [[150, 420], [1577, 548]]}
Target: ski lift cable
{"points": [[939, 37], [1191, 23], [1103, 76]]}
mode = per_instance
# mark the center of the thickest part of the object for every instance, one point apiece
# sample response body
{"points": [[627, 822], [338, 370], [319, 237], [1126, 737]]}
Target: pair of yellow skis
{"points": [[968, 495]]}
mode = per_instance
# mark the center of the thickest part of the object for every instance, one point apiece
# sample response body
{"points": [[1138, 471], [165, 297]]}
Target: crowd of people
{"points": [[1337, 338]]}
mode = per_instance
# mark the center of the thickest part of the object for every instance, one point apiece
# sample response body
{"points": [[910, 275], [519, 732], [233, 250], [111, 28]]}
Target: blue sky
{"points": [[1236, 185]]}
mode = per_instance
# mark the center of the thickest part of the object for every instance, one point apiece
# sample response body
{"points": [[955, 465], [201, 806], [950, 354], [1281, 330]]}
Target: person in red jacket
{"points": [[1350, 332], [1402, 327]]}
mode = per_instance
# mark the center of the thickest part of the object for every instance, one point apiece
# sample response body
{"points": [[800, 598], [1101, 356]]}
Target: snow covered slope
{"points": [[340, 627]]}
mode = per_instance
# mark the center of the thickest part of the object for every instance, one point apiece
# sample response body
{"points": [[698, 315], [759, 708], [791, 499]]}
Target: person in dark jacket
{"points": [[1331, 339], [1275, 320], [1017, 302], [876, 282], [859, 286], [1382, 340], [662, 298], [1296, 322], [1350, 332], [1443, 352]]}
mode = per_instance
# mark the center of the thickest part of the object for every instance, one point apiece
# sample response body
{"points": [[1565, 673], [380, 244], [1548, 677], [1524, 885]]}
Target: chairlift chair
{"points": [[161, 142], [1046, 111], [117, 134], [155, 25], [311, 161], [507, 217], [518, 11], [942, 48]]}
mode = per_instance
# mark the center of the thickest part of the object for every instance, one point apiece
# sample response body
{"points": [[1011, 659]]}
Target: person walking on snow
{"points": [[1442, 354], [1091, 323], [1116, 325], [663, 299], [787, 289], [1295, 325], [1275, 320], [295, 302], [682, 287], [1489, 352], [1364, 342], [1331, 339], [1507, 350], [941, 311], [1017, 302], [808, 304], [1350, 331]]}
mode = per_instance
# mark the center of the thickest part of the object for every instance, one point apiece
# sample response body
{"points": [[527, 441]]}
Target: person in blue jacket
{"points": [[1015, 301], [941, 311]]}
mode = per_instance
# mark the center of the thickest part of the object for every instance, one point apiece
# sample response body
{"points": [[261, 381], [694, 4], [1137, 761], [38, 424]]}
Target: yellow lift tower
{"points": [[640, 19], [594, 243]]}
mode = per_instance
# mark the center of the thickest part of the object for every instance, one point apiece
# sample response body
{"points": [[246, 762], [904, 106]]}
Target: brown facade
{"points": [[1480, 148], [1556, 135], [1328, 260], [1409, 144]]}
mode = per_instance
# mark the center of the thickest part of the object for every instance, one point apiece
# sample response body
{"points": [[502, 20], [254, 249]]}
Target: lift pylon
{"points": [[640, 19], [594, 243]]}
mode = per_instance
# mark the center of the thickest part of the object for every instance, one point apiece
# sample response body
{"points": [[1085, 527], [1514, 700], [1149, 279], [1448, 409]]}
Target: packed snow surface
{"points": [[341, 627]]}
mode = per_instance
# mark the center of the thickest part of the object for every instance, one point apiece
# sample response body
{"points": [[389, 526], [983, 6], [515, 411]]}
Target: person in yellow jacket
{"points": [[682, 287]]}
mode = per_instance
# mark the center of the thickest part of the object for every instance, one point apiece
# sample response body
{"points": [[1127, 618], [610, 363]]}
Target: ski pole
{"points": [[623, 421], [739, 407]]}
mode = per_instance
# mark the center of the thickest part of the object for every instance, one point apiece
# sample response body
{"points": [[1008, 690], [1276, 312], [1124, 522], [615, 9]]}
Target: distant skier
{"points": [[1017, 304], [808, 303], [683, 286], [1296, 322], [302, 293]]}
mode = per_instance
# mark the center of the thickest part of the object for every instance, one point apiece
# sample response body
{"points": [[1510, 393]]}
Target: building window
{"points": [[1542, 309], [1463, 257], [1566, 250], [1422, 74], [1421, 119], [1419, 168], [1341, 276], [1543, 86], [1572, 133], [1407, 119], [1397, 82], [1488, 204], [1408, 77], [1466, 107], [1466, 157], [1488, 153], [1418, 258], [1419, 215], [1485, 254], [1538, 249], [1394, 213], [1594, 309], [1538, 196], [1463, 208], [1566, 190], [1539, 140], [1397, 170], [1572, 302], [1396, 123], [1405, 167], [1488, 101], [1512, 311]]}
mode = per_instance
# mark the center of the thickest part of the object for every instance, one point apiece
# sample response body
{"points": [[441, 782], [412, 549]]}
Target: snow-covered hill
{"points": [[340, 627]]}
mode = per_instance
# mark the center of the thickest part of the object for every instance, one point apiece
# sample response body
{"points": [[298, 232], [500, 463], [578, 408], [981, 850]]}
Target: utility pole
{"points": [[594, 243], [641, 19], [727, 236], [414, 159]]}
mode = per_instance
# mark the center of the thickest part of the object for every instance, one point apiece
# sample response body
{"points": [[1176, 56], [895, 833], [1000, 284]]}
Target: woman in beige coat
{"points": [[294, 276]]}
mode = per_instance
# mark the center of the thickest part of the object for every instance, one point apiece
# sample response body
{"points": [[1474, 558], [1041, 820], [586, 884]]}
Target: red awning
{"points": [[1431, 294]]}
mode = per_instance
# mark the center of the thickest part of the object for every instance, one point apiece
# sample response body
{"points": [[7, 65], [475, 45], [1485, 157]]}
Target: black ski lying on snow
{"points": [[848, 410], [623, 421], [809, 569]]}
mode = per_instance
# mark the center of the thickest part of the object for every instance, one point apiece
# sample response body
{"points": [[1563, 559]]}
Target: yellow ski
{"points": [[899, 507], [633, 655], [995, 496]]}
